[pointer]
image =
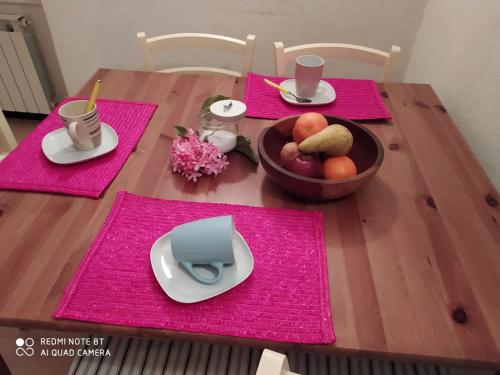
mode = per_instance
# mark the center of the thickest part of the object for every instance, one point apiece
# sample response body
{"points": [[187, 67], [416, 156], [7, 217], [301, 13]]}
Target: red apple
{"points": [[289, 151], [305, 165]]}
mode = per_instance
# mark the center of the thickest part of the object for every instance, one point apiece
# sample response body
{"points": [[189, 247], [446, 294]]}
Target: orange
{"points": [[307, 125], [338, 167]]}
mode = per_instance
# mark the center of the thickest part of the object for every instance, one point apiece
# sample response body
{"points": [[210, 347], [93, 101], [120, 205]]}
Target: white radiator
{"points": [[24, 86]]}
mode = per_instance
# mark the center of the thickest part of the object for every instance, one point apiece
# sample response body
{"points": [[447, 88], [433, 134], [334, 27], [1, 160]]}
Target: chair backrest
{"points": [[7, 139], [385, 60], [163, 43]]}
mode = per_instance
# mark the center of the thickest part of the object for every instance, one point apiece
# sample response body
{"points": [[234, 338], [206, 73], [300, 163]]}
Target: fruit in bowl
{"points": [[307, 125], [297, 162], [289, 151], [334, 140], [314, 141], [349, 155], [339, 167], [305, 165]]}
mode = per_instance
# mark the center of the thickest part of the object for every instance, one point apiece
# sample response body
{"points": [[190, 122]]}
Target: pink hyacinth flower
{"points": [[192, 158]]}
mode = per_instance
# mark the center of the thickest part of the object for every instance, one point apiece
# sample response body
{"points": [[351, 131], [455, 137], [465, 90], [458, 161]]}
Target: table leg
{"points": [[3, 367]]}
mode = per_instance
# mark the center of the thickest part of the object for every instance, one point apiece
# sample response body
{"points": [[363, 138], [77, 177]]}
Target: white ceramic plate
{"points": [[181, 287], [325, 94], [59, 149]]}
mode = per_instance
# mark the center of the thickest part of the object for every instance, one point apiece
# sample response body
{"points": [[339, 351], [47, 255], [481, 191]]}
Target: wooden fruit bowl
{"points": [[367, 153]]}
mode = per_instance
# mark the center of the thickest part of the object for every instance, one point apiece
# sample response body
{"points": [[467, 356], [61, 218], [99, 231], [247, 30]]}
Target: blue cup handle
{"points": [[217, 265]]}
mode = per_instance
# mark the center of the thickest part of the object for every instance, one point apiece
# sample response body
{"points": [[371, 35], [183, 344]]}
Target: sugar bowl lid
{"points": [[228, 110]]}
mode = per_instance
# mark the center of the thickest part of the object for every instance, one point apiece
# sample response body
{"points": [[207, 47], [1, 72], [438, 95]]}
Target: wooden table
{"points": [[414, 257]]}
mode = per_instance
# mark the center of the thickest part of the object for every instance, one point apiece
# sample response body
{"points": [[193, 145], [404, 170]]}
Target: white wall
{"points": [[33, 11], [457, 50], [89, 34]]}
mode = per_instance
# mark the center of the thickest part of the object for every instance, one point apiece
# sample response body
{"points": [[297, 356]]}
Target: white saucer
{"points": [[58, 147], [181, 287], [325, 94]]}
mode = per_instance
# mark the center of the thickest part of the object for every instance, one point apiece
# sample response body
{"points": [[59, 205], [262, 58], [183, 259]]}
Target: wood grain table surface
{"points": [[413, 257]]}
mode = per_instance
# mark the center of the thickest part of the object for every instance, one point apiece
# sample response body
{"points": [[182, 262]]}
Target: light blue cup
{"points": [[206, 242]]}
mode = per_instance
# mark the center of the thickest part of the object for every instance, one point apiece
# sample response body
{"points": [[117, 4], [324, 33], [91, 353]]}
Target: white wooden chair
{"points": [[385, 60], [273, 363], [7, 139], [163, 43]]}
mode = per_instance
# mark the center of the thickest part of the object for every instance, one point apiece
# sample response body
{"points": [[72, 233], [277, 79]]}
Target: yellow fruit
{"points": [[335, 140]]}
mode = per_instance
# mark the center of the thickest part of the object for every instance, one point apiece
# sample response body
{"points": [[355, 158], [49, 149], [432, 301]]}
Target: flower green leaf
{"points": [[181, 131], [243, 147], [205, 107]]}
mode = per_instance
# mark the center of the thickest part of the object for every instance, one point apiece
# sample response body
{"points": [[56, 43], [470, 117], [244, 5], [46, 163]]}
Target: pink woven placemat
{"points": [[27, 168], [357, 99], [285, 298]]}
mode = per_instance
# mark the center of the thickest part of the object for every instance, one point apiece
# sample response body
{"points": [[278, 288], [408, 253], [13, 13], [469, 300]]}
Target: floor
{"points": [[21, 127]]}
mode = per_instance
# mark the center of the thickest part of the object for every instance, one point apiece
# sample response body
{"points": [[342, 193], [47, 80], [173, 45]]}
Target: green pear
{"points": [[335, 140]]}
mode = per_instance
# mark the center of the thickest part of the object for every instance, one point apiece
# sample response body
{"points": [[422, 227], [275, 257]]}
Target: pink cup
{"points": [[308, 72]]}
